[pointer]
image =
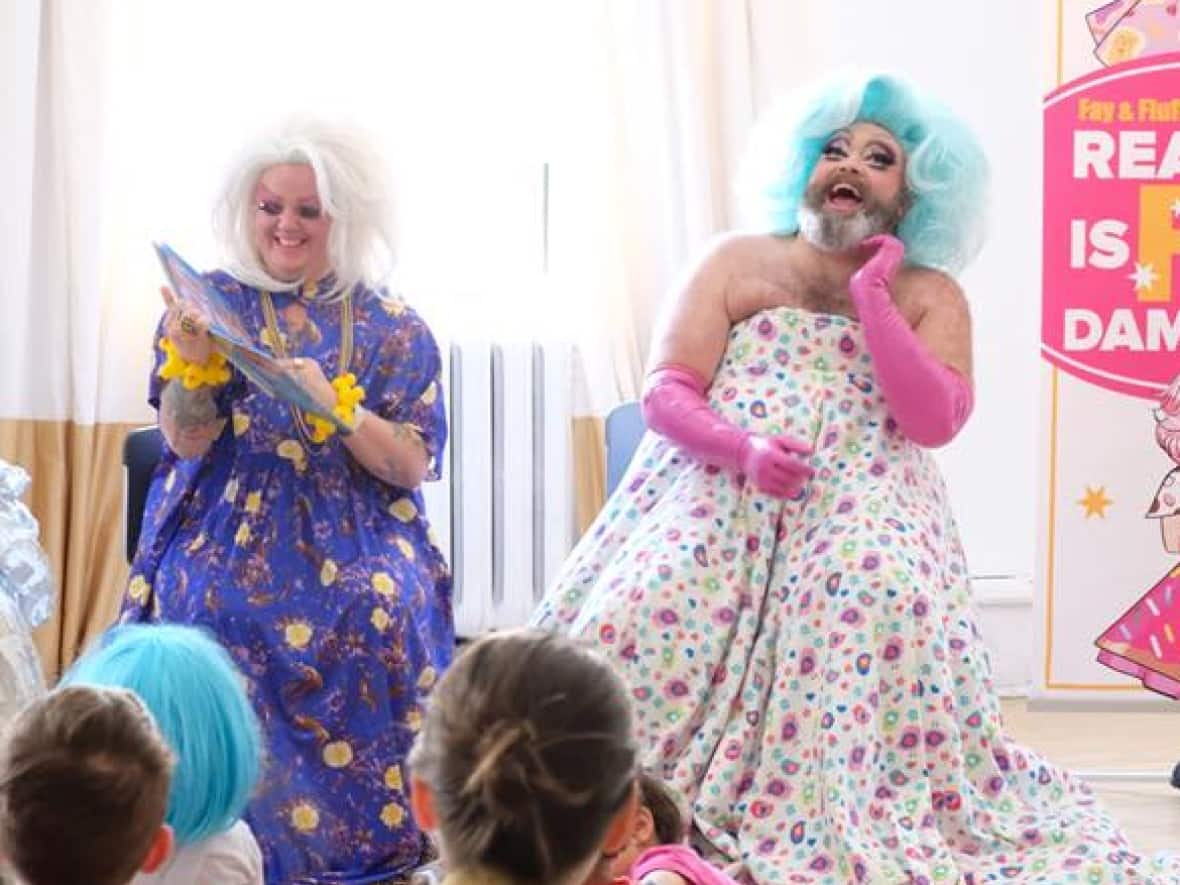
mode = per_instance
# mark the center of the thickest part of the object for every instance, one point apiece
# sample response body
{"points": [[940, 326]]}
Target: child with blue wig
{"points": [[780, 578], [197, 697]]}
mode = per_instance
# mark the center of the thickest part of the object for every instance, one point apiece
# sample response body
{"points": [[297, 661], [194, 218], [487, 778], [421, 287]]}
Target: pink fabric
{"points": [[679, 859], [674, 406], [929, 401]]}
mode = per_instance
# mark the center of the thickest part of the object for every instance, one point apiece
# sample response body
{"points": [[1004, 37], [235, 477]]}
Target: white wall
{"points": [[986, 61]]}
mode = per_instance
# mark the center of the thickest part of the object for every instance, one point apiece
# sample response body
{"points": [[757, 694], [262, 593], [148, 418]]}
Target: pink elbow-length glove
{"points": [[674, 406], [929, 401]]}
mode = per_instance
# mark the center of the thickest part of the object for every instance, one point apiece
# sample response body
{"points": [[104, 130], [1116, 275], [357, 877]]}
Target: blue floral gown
{"points": [[324, 583]]}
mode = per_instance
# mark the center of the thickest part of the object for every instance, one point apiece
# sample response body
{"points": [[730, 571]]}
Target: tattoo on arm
{"points": [[392, 469], [188, 408]]}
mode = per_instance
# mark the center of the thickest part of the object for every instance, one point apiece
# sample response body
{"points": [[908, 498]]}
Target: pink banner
{"points": [[1112, 226]]}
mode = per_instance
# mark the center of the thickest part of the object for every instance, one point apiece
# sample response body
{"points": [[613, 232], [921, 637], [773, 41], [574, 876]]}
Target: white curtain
{"points": [[65, 395], [51, 215], [662, 97], [642, 181]]}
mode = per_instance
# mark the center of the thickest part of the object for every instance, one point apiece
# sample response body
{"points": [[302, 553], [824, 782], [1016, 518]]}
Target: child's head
{"points": [[198, 699], [657, 822], [526, 760], [667, 825], [83, 789]]}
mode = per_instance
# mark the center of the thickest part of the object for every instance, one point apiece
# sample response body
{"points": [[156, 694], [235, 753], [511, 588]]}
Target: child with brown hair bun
{"points": [[525, 767]]}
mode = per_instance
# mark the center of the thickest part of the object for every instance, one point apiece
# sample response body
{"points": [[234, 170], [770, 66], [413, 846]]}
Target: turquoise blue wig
{"points": [[198, 699], [946, 169]]}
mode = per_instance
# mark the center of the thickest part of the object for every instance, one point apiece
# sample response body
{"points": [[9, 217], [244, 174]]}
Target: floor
{"points": [[1113, 743]]}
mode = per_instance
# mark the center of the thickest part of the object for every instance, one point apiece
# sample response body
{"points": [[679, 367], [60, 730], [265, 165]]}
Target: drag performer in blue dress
{"points": [[310, 558]]}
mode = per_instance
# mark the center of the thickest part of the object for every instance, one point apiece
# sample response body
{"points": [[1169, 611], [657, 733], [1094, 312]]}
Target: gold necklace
{"points": [[272, 325]]}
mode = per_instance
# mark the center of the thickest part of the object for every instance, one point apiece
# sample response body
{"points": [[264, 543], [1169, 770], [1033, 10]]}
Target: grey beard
{"points": [[840, 233]]}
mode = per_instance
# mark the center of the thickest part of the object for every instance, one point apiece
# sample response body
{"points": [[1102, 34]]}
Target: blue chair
{"points": [[141, 453], [624, 430]]}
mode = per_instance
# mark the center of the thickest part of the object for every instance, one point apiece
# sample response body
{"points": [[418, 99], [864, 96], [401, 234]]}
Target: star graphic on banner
{"points": [[1176, 208], [1144, 276], [1095, 502]]}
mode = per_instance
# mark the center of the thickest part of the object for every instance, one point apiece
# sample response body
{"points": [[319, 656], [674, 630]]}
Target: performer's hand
{"points": [[876, 275], [310, 376], [775, 463], [187, 328]]}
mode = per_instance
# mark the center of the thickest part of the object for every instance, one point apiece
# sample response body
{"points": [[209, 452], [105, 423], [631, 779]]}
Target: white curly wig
{"points": [[353, 186]]}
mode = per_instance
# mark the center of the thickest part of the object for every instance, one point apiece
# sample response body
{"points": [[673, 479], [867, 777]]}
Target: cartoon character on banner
{"points": [[1124, 30], [1145, 641]]}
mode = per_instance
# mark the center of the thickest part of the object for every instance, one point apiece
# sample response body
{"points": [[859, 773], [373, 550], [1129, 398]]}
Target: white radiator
{"points": [[504, 508]]}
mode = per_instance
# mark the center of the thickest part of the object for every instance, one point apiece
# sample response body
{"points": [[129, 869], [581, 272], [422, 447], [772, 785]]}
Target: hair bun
{"points": [[505, 768], [511, 772]]}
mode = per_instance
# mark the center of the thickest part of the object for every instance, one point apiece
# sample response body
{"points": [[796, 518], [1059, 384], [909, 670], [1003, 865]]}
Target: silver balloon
{"points": [[26, 594]]}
